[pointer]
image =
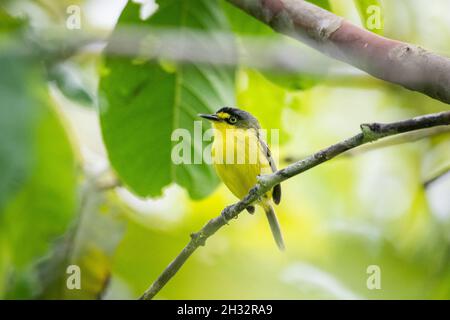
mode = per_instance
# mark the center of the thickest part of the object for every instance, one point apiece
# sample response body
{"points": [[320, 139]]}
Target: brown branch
{"points": [[369, 133], [397, 62]]}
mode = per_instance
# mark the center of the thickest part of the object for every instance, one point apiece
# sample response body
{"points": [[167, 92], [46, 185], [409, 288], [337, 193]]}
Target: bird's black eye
{"points": [[232, 120]]}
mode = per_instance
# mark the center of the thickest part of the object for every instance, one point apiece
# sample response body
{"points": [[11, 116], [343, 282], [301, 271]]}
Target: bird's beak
{"points": [[211, 117]]}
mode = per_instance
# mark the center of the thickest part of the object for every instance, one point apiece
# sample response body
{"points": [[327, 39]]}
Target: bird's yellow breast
{"points": [[238, 158]]}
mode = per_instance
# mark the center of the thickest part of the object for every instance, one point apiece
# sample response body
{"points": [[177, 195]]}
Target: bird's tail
{"points": [[274, 226]]}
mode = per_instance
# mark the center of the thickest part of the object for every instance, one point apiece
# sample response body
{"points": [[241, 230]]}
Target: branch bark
{"points": [[397, 62], [369, 133]]}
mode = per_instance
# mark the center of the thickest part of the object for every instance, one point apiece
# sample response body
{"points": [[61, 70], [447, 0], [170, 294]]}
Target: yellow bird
{"points": [[239, 155]]}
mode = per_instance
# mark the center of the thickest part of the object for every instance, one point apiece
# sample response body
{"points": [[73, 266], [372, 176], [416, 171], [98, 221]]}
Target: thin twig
{"points": [[408, 137], [369, 133]]}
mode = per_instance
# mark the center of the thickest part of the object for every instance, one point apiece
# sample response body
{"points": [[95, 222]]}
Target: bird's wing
{"points": [[276, 192]]}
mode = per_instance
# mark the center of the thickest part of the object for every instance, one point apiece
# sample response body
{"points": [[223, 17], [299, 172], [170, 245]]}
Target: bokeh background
{"points": [[64, 202]]}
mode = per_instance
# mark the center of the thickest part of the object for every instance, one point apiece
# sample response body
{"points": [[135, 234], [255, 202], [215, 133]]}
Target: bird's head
{"points": [[232, 118]]}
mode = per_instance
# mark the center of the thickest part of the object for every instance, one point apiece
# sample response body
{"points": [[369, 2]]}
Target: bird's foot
{"points": [[251, 209]]}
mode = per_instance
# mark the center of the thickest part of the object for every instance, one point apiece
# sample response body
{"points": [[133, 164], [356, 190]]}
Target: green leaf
{"points": [[371, 13], [90, 245], [142, 103]]}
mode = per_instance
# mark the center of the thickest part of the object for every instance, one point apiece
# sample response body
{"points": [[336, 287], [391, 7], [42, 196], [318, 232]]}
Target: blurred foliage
{"points": [[366, 208], [68, 77], [259, 96], [90, 245], [293, 81], [244, 25], [15, 121], [39, 167], [8, 23]]}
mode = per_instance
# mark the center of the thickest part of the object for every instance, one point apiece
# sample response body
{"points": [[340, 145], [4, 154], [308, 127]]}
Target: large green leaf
{"points": [[371, 13], [142, 103]]}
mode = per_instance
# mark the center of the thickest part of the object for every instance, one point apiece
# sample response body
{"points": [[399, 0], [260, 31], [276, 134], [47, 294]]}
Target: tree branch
{"points": [[397, 62], [369, 133]]}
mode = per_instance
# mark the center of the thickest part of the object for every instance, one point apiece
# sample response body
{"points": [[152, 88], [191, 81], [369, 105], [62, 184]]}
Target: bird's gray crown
{"points": [[245, 119]]}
